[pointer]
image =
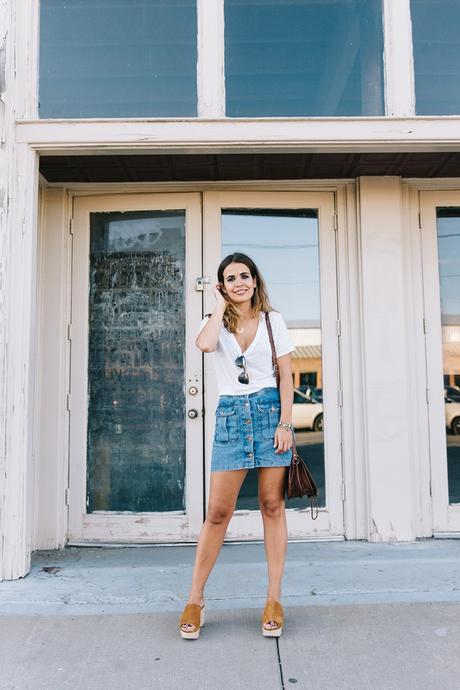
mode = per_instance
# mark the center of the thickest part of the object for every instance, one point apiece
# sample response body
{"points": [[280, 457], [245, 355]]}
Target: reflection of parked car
{"points": [[306, 412], [317, 395], [452, 392], [452, 411]]}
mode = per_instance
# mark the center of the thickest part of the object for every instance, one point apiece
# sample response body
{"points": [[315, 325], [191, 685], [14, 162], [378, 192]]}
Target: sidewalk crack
{"points": [[280, 664]]}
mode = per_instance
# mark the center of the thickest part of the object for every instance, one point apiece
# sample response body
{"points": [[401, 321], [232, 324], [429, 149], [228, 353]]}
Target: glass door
{"points": [[291, 238], [136, 452], [440, 213]]}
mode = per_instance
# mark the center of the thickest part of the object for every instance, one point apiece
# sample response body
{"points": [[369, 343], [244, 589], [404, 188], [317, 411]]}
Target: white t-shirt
{"points": [[258, 356]]}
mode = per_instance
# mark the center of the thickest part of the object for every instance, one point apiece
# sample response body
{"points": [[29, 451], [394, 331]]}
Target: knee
{"points": [[218, 515], [272, 507]]}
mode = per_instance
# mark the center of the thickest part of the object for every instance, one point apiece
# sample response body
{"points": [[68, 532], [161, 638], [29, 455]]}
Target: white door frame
{"points": [[446, 518], [247, 524], [146, 526]]}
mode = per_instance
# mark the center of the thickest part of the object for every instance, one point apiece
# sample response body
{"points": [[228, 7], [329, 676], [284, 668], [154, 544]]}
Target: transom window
{"points": [[258, 58], [436, 40], [303, 57], [117, 58]]}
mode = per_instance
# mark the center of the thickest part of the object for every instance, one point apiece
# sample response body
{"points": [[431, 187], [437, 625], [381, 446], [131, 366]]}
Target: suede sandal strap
{"points": [[273, 611], [191, 616]]}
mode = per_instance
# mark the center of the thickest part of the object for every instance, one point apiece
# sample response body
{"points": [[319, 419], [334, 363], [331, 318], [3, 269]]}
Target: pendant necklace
{"points": [[240, 329]]}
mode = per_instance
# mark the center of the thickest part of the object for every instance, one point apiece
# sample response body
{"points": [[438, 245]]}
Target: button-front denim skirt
{"points": [[245, 432]]}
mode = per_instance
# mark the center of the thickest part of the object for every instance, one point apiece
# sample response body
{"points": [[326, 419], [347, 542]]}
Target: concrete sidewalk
{"points": [[358, 615]]}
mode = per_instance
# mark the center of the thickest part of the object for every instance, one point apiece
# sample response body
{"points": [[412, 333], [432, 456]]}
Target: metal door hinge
{"points": [[339, 327], [336, 221], [71, 225], [67, 496], [68, 402], [425, 325], [69, 331], [420, 220], [343, 490], [427, 393], [340, 397], [200, 283]]}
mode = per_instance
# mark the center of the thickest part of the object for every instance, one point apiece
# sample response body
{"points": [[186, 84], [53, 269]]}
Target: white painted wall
{"points": [[18, 213], [52, 374], [385, 360]]}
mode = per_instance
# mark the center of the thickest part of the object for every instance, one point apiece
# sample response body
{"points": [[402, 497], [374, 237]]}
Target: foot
{"points": [[271, 624], [188, 627]]}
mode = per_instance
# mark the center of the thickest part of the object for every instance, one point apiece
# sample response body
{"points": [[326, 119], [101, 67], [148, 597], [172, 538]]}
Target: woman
{"points": [[253, 429]]}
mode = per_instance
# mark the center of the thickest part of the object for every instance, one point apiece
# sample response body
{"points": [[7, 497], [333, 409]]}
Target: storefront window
{"points": [[303, 58], [117, 58], [436, 56]]}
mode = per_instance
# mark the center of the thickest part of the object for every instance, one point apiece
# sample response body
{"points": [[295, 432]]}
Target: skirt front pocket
{"points": [[268, 418], [226, 425]]}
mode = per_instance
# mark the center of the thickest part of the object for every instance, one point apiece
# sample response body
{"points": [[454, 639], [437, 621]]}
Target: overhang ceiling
{"points": [[251, 166]]}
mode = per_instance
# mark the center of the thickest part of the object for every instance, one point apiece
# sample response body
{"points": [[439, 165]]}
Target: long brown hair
{"points": [[259, 300]]}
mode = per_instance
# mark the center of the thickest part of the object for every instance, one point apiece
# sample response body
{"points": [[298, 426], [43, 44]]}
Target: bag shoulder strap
{"points": [[272, 345]]}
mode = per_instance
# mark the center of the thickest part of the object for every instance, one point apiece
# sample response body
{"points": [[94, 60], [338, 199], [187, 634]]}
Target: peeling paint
{"points": [[3, 66]]}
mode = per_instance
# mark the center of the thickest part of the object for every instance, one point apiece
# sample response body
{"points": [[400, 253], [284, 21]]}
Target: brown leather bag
{"points": [[299, 481]]}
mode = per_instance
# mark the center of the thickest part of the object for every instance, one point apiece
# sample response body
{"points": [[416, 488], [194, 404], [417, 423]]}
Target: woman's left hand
{"points": [[283, 440]]}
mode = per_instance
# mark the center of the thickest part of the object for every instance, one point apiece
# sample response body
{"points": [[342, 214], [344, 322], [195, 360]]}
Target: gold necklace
{"points": [[240, 329]]}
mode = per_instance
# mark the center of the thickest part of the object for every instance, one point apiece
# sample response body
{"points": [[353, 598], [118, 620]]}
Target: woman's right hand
{"points": [[208, 337], [220, 299]]}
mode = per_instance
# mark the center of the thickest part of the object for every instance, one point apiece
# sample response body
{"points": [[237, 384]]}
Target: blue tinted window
{"points": [[436, 38], [117, 58], [303, 57]]}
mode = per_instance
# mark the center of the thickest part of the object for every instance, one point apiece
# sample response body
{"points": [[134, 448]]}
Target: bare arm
{"points": [[286, 387], [208, 337], [283, 437]]}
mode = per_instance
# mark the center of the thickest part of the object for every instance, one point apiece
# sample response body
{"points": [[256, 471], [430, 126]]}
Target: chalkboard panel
{"points": [[136, 360]]}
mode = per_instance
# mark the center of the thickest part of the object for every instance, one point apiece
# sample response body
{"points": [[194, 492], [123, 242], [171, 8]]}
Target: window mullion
{"points": [[398, 59], [210, 68]]}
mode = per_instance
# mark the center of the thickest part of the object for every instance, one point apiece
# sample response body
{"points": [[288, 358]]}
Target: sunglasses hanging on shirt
{"points": [[241, 362]]}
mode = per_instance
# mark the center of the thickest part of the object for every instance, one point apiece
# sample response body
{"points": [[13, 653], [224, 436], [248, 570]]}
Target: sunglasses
{"points": [[241, 362]]}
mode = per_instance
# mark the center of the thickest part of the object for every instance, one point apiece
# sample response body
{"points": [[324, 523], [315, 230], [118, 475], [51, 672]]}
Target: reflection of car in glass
{"points": [[307, 413], [317, 395], [452, 411], [452, 392]]}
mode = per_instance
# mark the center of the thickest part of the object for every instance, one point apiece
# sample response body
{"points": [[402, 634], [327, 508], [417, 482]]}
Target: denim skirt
{"points": [[245, 432]]}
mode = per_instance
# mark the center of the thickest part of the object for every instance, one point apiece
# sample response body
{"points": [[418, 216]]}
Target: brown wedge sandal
{"points": [[193, 614], [273, 611]]}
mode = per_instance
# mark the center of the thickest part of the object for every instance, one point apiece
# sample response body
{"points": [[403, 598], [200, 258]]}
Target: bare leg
{"points": [[224, 490], [272, 506]]}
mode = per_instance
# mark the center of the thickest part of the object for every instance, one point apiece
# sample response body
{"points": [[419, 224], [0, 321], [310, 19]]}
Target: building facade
{"points": [[144, 140]]}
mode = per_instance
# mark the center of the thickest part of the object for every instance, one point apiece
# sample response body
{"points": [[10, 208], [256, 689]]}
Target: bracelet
{"points": [[286, 425]]}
